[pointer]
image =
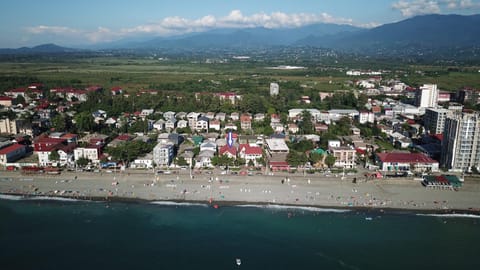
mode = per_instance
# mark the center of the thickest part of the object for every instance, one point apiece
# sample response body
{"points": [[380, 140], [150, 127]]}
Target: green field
{"points": [[133, 73]]}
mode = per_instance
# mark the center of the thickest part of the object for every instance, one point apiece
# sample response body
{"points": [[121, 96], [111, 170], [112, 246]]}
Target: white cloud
{"points": [[416, 7], [178, 25], [410, 8], [40, 29]]}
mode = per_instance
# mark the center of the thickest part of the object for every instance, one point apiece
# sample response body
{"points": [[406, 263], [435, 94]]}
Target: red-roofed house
{"points": [[117, 90], [279, 166], [228, 96], [12, 153], [250, 153], [6, 101], [44, 145], [215, 124], [415, 162], [70, 93], [246, 121], [230, 152], [24, 92]]}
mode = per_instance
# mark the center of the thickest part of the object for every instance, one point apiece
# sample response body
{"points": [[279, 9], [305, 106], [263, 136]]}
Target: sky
{"points": [[88, 22]]}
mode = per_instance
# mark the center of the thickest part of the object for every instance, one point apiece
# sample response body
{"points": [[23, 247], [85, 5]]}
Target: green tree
{"points": [[54, 156], [84, 121], [314, 157], [181, 161], [82, 162], [296, 158], [59, 122], [330, 160], [305, 125]]}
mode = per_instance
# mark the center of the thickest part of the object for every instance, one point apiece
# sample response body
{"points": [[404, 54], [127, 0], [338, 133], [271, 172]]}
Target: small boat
{"points": [[238, 261], [368, 218]]}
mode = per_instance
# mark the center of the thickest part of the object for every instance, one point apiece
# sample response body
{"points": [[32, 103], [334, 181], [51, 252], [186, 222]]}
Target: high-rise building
{"points": [[434, 119], [461, 142], [427, 96], [274, 89]]}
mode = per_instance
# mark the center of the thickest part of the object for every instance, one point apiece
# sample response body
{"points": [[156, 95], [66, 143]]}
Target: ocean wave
{"points": [[168, 203], [11, 197], [37, 198], [451, 215], [289, 207], [47, 198]]}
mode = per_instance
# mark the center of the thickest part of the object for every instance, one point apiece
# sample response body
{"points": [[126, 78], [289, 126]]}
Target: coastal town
{"points": [[393, 130]]}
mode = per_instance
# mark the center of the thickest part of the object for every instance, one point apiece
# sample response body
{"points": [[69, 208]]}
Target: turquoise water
{"points": [[95, 235]]}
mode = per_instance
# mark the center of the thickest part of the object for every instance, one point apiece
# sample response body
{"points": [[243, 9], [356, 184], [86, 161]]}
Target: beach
{"points": [[218, 189]]}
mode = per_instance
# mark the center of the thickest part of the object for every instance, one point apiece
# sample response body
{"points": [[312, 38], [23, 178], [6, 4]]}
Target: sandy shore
{"points": [[296, 190]]}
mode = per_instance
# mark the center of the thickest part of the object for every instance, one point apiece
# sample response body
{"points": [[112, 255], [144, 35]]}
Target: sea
{"points": [[42, 233]]}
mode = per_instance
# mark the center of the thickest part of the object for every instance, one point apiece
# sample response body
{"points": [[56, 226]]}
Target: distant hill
{"points": [[40, 49], [240, 38], [427, 32], [452, 36]]}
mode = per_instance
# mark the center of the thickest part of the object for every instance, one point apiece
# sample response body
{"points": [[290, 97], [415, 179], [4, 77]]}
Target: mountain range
{"points": [[427, 32]]}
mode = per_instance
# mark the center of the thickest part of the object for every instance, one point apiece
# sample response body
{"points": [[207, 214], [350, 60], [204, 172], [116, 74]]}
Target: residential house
{"points": [[366, 117], [192, 118], [293, 128], [204, 159], [145, 162], [228, 151], [220, 116], [159, 125], [182, 123], [26, 93], [163, 154], [123, 138], [202, 123], [210, 115], [230, 126], [235, 116], [345, 157], [337, 114], [250, 153], [246, 121], [91, 152], [181, 115], [117, 90], [171, 124], [70, 94], [146, 112], [215, 124], [401, 162], [277, 127], [168, 115], [176, 139], [259, 117], [276, 146], [6, 101], [228, 96], [320, 128], [45, 145], [12, 153], [208, 145], [8, 126]]}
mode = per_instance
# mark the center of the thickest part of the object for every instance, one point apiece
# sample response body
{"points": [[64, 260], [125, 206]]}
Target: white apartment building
{"points": [[427, 96], [366, 117], [461, 142], [91, 153], [163, 154], [434, 119], [274, 89]]}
